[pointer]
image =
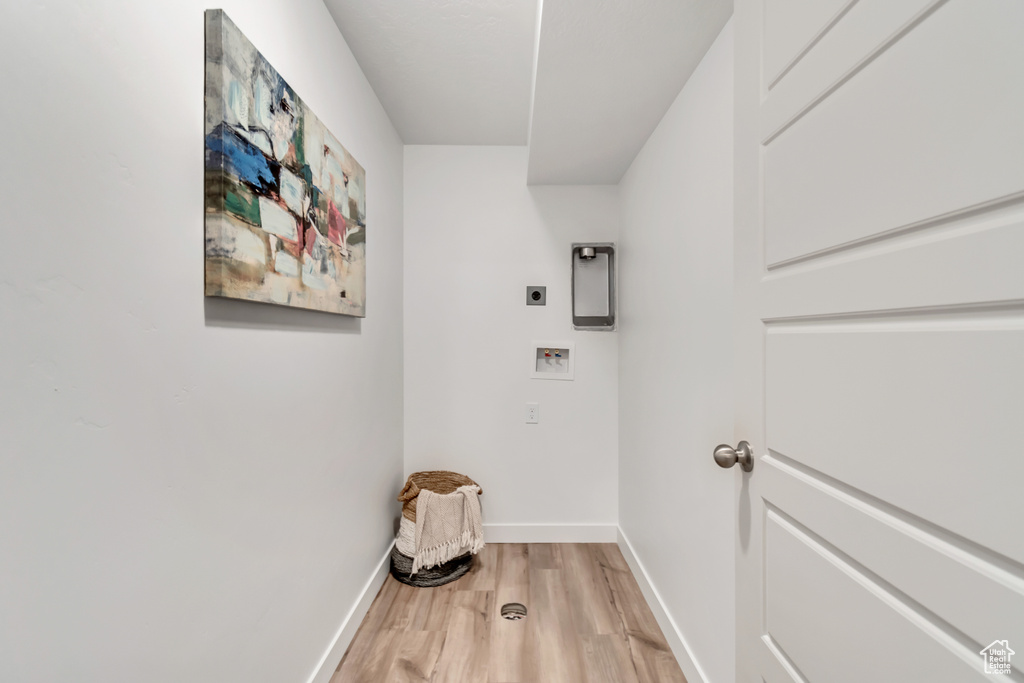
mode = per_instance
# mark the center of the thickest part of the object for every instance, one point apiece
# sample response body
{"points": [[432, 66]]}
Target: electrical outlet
{"points": [[532, 413]]}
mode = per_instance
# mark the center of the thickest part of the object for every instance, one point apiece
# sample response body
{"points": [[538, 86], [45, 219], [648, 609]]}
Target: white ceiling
{"points": [[461, 72], [607, 72], [448, 72]]}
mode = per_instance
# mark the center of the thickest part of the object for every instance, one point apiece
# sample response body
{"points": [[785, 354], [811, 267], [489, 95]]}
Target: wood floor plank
{"points": [[651, 654], [440, 608], [374, 662], [608, 659], [593, 608], [545, 556], [629, 602], [553, 646], [654, 661], [420, 609], [365, 641], [403, 608], [463, 658], [508, 653], [483, 575], [609, 555], [416, 657]]}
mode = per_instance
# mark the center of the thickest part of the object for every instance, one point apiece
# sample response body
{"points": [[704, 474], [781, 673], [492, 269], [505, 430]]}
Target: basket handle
{"points": [[410, 491]]}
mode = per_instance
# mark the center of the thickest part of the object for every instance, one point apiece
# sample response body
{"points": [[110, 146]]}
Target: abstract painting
{"points": [[285, 202]]}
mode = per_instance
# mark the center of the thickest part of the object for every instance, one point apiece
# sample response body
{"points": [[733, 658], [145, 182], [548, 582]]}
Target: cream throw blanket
{"points": [[447, 526]]}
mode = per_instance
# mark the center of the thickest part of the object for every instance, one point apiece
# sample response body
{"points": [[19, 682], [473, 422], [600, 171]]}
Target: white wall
{"points": [[190, 490], [476, 236], [675, 361]]}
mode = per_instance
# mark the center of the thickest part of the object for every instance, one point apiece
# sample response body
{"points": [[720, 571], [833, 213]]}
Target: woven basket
{"points": [[441, 482], [438, 481], [401, 566]]}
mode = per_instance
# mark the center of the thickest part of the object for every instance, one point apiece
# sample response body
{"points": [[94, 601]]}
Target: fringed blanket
{"points": [[447, 525]]}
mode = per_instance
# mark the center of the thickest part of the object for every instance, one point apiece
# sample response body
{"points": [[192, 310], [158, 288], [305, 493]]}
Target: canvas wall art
{"points": [[285, 202]]}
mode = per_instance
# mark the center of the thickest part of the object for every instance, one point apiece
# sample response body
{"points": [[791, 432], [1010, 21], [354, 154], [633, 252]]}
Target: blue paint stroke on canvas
{"points": [[228, 151]]}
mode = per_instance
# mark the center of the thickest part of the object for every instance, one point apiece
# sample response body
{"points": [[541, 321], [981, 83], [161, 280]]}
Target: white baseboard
{"points": [[551, 533], [680, 648], [350, 624]]}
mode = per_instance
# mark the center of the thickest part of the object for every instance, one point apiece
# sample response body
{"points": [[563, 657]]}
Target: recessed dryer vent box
{"points": [[593, 286], [552, 360]]}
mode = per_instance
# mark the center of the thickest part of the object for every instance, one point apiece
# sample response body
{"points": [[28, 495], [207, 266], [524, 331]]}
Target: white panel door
{"points": [[880, 354]]}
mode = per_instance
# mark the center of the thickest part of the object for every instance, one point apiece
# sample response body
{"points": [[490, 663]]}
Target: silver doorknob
{"points": [[726, 456]]}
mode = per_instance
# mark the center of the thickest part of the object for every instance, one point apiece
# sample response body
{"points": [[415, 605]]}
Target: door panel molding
{"points": [[902, 142], [773, 54], [978, 315], [776, 665], [834, 583], [933, 267], [968, 215], [873, 406], [892, 543], [869, 30]]}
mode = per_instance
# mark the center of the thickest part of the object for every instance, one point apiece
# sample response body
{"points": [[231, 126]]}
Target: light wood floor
{"points": [[587, 622]]}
